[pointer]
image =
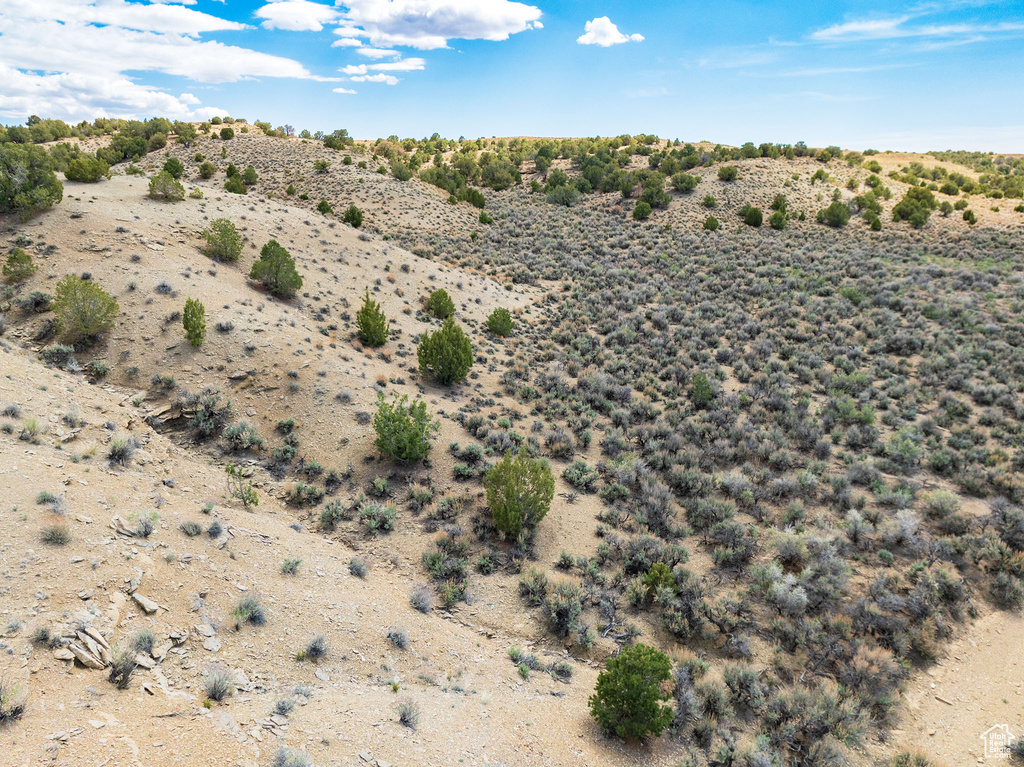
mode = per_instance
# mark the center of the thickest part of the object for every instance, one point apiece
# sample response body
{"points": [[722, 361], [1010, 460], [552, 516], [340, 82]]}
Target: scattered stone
{"points": [[146, 603], [145, 661], [160, 651], [212, 644], [205, 629]]}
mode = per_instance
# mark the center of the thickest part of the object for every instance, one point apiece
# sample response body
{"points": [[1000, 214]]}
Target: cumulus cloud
{"points": [[430, 24], [296, 15], [346, 42], [343, 90], [68, 59], [601, 31], [78, 96]]}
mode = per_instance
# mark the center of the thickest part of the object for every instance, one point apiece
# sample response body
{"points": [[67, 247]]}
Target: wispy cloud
{"points": [[897, 27], [829, 71], [380, 78]]}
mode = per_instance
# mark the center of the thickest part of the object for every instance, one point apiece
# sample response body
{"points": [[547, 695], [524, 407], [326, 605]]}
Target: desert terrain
{"points": [[865, 398]]}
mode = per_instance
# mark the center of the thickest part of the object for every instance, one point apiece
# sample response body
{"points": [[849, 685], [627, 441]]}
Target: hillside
{"points": [[865, 397]]}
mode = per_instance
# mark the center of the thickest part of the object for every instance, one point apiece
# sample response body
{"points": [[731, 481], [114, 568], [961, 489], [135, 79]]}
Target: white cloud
{"points": [[346, 42], [376, 53], [164, 19], [343, 90], [896, 27], [296, 15], [862, 30], [387, 79], [601, 31], [430, 24], [81, 96], [68, 59], [402, 65]]}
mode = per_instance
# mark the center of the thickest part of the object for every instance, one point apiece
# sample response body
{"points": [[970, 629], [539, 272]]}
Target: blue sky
{"points": [[916, 76]]}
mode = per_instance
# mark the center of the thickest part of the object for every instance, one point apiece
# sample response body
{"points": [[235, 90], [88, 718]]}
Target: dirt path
{"points": [[979, 685]]}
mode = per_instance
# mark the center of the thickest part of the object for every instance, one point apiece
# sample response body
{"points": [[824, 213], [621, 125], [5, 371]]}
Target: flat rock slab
{"points": [[205, 630], [146, 603], [87, 660]]}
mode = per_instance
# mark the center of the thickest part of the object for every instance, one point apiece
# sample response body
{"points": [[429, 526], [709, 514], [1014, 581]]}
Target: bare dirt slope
{"points": [[979, 684]]}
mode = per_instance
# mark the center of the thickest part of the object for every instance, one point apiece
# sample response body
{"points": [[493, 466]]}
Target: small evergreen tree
{"points": [[710, 223], [684, 182], [777, 220], [627, 701], [87, 169], [324, 207], [83, 310], [28, 184], [641, 211], [446, 355], [194, 321], [915, 207], [207, 169], [835, 215], [174, 167], [440, 304], [249, 177], [353, 216], [235, 185], [371, 323], [19, 266], [403, 430], [163, 186], [519, 493], [223, 242], [727, 173], [275, 268], [701, 394], [500, 322], [753, 216]]}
